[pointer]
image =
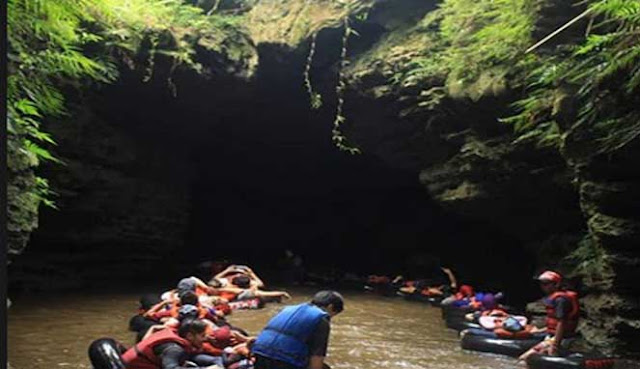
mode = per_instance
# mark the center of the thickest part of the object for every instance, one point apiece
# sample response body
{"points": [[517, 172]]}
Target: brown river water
{"points": [[372, 333]]}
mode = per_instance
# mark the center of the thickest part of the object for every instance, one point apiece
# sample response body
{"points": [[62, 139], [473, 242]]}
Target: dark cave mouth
{"points": [[260, 176]]}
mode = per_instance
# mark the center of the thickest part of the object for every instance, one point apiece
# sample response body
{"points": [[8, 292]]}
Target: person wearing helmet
{"points": [[563, 313], [298, 336]]}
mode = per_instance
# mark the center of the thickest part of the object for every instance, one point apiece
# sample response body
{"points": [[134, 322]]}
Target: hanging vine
{"points": [[214, 8], [154, 40], [314, 97], [338, 137]]}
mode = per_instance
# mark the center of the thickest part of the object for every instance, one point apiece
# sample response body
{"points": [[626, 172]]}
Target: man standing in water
{"points": [[298, 336]]}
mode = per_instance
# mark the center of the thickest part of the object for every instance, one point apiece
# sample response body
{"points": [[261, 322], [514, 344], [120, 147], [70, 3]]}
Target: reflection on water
{"points": [[372, 333]]}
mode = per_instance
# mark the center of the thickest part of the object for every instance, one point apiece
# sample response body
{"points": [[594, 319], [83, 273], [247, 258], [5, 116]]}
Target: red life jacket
{"points": [[141, 355], [229, 296], [222, 339], [571, 321], [225, 308], [200, 291]]}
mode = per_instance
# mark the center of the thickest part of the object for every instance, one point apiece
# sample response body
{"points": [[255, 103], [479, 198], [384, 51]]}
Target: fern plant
{"points": [[604, 70], [48, 43]]}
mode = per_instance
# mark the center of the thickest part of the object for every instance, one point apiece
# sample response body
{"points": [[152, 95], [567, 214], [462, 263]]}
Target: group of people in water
{"points": [[187, 326], [480, 316]]}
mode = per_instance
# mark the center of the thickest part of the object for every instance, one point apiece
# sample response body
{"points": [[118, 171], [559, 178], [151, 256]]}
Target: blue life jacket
{"points": [[285, 336]]}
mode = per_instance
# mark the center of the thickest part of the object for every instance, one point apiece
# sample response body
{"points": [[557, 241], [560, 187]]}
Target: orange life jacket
{"points": [[229, 296], [217, 348], [141, 355], [429, 291], [201, 291], [225, 308], [571, 321], [379, 279]]}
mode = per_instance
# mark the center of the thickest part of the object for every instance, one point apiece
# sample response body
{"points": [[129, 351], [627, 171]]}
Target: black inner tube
{"points": [[501, 346]]}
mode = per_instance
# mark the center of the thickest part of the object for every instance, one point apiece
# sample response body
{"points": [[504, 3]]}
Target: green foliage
{"points": [[469, 48], [605, 72], [314, 97], [49, 43], [484, 34], [339, 139]]}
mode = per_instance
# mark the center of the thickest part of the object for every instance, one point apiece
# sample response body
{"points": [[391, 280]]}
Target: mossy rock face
{"points": [[621, 198], [290, 22], [611, 323], [22, 209], [613, 233]]}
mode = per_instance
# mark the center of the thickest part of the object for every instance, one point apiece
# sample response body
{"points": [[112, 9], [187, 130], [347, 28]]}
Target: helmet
{"points": [[550, 276], [488, 301], [188, 311]]}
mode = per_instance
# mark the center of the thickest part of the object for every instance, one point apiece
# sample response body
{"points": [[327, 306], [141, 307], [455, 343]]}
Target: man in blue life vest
{"points": [[298, 336]]}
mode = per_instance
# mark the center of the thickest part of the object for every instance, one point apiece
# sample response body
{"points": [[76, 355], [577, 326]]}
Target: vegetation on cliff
{"points": [[56, 45], [589, 91]]}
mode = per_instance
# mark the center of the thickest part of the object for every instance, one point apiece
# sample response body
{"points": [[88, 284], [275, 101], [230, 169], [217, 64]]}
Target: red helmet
{"points": [[466, 290], [550, 276]]}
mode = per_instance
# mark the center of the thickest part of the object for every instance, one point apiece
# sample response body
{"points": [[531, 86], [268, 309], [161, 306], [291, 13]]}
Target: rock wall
{"points": [[123, 205], [412, 109], [609, 188], [419, 97]]}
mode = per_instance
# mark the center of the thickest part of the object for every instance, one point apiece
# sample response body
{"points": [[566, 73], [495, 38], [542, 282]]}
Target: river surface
{"points": [[372, 333]]}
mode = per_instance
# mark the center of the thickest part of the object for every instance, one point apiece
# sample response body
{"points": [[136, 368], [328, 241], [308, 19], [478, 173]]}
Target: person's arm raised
{"points": [[155, 308], [258, 282], [452, 278]]}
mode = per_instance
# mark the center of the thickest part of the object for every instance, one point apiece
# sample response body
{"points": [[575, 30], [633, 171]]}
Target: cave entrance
{"points": [[242, 171]]}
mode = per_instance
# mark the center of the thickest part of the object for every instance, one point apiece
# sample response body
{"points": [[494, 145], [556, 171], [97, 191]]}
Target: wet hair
{"points": [[242, 281], [326, 298], [188, 298], [193, 326]]}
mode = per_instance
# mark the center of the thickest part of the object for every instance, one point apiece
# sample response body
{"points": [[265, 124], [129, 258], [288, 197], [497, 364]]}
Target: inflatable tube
{"points": [[461, 324], [104, 353], [572, 361], [435, 301], [250, 304], [271, 299], [500, 346], [452, 312]]}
